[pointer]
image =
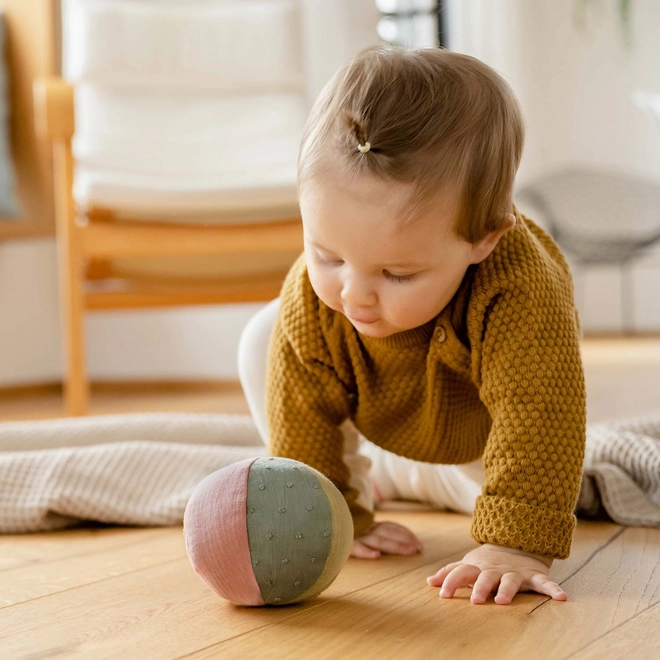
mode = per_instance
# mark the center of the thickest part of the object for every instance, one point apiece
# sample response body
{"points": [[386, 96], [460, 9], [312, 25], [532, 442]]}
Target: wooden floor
{"points": [[112, 592], [131, 593]]}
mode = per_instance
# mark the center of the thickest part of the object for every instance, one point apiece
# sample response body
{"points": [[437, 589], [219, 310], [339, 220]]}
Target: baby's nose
{"points": [[356, 293]]}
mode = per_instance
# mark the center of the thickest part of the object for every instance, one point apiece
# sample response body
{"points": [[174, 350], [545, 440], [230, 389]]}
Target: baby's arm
{"points": [[306, 405], [533, 385], [382, 537]]}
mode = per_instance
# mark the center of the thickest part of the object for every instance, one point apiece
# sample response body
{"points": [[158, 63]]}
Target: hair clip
{"points": [[364, 147]]}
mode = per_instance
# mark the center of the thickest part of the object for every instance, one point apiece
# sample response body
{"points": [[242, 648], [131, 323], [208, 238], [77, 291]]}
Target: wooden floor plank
{"points": [[133, 615], [46, 578], [165, 611], [89, 560], [29, 549], [130, 611], [396, 618], [121, 398], [636, 639]]}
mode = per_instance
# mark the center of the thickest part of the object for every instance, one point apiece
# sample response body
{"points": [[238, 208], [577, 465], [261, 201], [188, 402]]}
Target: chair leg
{"points": [[71, 279], [76, 385]]}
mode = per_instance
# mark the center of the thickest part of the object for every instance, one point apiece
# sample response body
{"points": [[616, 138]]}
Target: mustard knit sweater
{"points": [[496, 374]]}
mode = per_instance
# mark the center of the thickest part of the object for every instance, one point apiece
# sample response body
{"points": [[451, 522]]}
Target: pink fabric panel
{"points": [[215, 530]]}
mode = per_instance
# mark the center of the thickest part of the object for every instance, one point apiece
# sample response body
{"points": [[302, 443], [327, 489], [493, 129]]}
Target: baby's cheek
{"points": [[325, 287], [412, 308]]}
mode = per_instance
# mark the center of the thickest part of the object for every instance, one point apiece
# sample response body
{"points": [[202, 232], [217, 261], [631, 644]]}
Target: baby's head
{"points": [[405, 179]]}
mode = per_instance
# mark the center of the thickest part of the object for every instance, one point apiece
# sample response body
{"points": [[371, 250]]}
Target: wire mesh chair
{"points": [[600, 218]]}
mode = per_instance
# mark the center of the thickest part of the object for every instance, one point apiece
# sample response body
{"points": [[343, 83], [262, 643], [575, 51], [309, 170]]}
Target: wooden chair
{"points": [[209, 102], [89, 239]]}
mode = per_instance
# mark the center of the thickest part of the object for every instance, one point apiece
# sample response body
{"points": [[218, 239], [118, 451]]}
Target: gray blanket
{"points": [[142, 469], [622, 472]]}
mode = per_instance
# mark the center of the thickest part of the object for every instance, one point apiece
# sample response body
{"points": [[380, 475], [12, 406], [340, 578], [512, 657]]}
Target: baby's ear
{"points": [[482, 249]]}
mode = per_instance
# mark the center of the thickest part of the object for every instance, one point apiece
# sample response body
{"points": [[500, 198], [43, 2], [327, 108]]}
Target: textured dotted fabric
{"points": [[289, 525], [497, 374]]}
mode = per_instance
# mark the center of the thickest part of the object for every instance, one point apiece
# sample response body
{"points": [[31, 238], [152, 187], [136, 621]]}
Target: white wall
{"points": [[29, 333], [581, 83], [575, 86]]}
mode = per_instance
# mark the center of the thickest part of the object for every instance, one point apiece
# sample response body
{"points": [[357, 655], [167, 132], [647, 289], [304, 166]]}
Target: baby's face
{"points": [[385, 276]]}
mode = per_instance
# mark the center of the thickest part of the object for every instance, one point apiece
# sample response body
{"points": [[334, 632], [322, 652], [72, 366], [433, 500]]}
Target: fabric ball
{"points": [[267, 531]]}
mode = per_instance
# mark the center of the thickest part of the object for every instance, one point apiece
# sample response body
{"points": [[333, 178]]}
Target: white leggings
{"points": [[392, 477]]}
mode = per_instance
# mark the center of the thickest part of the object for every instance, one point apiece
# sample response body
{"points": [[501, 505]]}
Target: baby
{"points": [[430, 315]]}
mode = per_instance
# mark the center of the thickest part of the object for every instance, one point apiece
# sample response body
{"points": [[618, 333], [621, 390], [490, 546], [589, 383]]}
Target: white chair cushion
{"points": [[173, 199], [137, 150], [198, 106], [159, 134], [220, 45]]}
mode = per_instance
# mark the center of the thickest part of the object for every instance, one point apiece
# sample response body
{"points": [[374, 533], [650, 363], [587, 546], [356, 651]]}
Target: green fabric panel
{"points": [[289, 525]]}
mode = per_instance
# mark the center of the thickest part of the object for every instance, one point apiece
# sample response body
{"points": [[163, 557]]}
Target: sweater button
{"points": [[440, 334]]}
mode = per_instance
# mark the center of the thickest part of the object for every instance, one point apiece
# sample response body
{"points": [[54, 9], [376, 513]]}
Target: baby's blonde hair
{"points": [[436, 119]]}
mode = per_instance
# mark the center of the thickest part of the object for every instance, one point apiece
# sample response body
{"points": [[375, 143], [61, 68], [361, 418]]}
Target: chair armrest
{"points": [[53, 108]]}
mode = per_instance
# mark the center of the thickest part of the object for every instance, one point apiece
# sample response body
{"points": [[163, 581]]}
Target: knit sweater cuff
{"points": [[362, 519], [508, 522]]}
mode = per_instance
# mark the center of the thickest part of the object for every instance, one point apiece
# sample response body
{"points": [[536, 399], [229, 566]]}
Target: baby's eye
{"points": [[331, 262], [398, 278]]}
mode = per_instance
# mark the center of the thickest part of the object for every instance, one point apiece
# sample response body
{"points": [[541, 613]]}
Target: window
{"points": [[412, 23]]}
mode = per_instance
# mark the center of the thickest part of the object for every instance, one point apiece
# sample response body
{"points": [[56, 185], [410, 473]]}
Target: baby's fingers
{"points": [[486, 583], [389, 545], [509, 586], [361, 551], [397, 532], [461, 576], [437, 579], [544, 585]]}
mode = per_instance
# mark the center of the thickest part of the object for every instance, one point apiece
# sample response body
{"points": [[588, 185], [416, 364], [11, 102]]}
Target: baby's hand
{"points": [[388, 537], [490, 566]]}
